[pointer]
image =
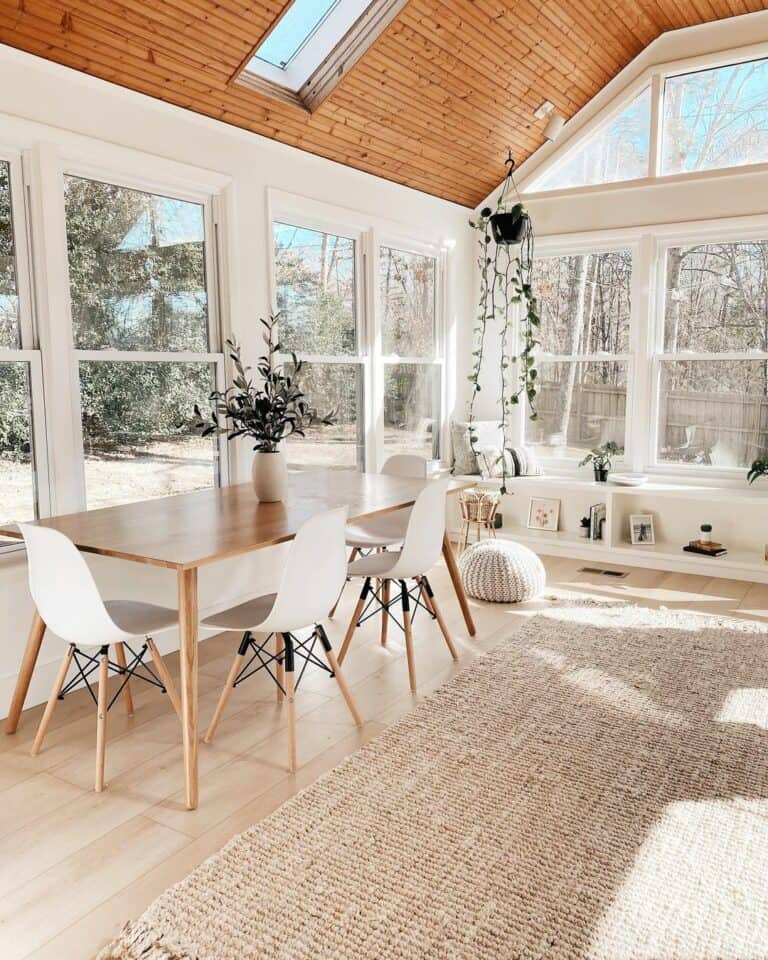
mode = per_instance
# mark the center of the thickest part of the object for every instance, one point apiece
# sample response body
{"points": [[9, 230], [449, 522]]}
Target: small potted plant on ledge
{"points": [[758, 469], [269, 411], [601, 459]]}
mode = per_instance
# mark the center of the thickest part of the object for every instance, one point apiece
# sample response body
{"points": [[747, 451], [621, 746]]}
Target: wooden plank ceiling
{"points": [[433, 104]]}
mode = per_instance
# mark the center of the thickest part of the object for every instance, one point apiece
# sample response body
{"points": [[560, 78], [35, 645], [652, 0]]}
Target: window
{"points": [[617, 151], [713, 368], [144, 340], [316, 297], [313, 45], [20, 376], [584, 304], [412, 372], [716, 118], [293, 30]]}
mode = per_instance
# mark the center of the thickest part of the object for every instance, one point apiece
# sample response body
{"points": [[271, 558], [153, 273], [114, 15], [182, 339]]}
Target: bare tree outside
{"points": [[584, 304]]}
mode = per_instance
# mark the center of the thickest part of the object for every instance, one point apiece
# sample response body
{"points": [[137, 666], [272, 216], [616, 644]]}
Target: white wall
{"points": [[92, 124]]}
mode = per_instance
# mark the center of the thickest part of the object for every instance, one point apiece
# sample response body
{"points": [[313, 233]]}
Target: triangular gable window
{"points": [[615, 151]]}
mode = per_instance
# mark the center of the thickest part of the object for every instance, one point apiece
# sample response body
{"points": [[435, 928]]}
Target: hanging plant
{"points": [[505, 287]]}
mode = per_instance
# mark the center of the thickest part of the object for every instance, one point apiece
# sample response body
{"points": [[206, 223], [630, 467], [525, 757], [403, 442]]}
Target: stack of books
{"points": [[596, 521], [706, 548]]}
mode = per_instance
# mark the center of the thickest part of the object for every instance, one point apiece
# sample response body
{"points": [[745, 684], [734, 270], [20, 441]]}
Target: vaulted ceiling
{"points": [[433, 104]]}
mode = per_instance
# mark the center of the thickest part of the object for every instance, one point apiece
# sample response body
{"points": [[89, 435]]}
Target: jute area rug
{"points": [[595, 787]]}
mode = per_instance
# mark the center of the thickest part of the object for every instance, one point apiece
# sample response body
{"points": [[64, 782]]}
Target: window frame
{"points": [[372, 233], [438, 359], [564, 246], [215, 355], [606, 106], [732, 232], [28, 350]]}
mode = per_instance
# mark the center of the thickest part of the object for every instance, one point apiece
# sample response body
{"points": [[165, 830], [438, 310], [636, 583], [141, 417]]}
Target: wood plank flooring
{"points": [[74, 865]]}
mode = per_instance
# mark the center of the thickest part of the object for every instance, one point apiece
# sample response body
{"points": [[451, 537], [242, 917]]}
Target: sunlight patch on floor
{"points": [[746, 706], [697, 888]]}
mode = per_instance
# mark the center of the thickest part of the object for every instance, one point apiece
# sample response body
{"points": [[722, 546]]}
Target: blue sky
{"points": [[296, 25]]}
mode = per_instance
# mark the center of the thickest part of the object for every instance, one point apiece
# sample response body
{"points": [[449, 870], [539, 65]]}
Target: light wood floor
{"points": [[75, 865]]}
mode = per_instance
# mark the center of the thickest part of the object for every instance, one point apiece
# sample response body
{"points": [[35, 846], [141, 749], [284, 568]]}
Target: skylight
{"points": [[293, 30], [313, 45]]}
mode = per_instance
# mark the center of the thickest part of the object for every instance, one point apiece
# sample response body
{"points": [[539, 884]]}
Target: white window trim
{"points": [[370, 233], [28, 351], [649, 245], [593, 118]]}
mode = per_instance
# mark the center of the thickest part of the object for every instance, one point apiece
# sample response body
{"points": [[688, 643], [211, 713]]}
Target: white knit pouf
{"points": [[502, 571]]}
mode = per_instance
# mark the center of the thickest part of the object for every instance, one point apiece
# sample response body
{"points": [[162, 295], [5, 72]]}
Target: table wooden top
{"points": [[193, 529]]}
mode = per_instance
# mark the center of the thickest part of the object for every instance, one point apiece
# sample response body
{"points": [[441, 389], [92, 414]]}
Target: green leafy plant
{"points": [[505, 287], [601, 457], [758, 469], [269, 410]]}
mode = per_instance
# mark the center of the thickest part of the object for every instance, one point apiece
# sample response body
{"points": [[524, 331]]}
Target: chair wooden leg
{"points": [[237, 665], [121, 662], [289, 701], [384, 612], [408, 634], [355, 617], [352, 556], [280, 669], [333, 663], [431, 602], [165, 676], [58, 683], [101, 720]]}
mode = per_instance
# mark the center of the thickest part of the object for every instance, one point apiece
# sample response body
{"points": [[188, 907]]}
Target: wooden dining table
{"points": [[188, 531]]}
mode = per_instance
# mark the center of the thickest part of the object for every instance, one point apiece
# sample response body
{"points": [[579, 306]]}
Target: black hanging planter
{"points": [[511, 227]]}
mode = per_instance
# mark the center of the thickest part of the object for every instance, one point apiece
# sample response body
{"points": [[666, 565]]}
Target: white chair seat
{"points": [[140, 619], [385, 531], [245, 616], [376, 565]]}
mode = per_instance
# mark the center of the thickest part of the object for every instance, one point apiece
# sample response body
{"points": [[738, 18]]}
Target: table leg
{"points": [[34, 642], [453, 570], [187, 584]]}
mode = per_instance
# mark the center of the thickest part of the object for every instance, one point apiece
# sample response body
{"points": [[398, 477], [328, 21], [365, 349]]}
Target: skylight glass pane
{"points": [[618, 151], [293, 30], [716, 118]]}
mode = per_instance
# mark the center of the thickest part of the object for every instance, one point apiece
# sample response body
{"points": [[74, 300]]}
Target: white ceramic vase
{"points": [[269, 475]]}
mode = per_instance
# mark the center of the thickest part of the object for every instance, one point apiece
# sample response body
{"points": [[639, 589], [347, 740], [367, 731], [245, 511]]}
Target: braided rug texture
{"points": [[595, 787]]}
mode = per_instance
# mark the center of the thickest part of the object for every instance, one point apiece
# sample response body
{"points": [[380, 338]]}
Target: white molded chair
{"points": [[314, 573], [420, 551], [69, 602], [379, 533]]}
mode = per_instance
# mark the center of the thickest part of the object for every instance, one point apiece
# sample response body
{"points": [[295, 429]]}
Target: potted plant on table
{"points": [[269, 411], [601, 459]]}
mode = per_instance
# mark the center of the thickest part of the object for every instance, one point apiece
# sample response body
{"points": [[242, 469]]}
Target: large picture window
{"points": [[146, 345], [713, 367], [412, 369], [316, 297], [584, 304]]}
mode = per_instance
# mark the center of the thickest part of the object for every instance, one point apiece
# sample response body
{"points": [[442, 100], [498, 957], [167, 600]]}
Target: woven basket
{"points": [[478, 506]]}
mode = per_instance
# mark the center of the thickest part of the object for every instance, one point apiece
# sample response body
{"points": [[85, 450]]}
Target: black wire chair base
{"points": [[304, 649], [87, 665], [377, 604]]}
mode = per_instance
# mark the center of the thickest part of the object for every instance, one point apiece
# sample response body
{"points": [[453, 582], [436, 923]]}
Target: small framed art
{"points": [[641, 530], [543, 514]]}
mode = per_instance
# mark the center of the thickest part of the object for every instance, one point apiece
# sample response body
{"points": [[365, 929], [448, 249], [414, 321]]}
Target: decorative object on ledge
{"points": [[584, 527], [706, 533], [543, 514], [597, 519], [758, 469], [478, 511], [505, 283], [628, 479], [705, 548], [601, 459], [641, 531], [269, 413]]}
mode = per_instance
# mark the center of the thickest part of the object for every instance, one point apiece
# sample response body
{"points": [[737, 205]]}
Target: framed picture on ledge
{"points": [[641, 530], [543, 514]]}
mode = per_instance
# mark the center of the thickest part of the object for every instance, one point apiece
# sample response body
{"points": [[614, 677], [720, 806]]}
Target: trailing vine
{"points": [[505, 285]]}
